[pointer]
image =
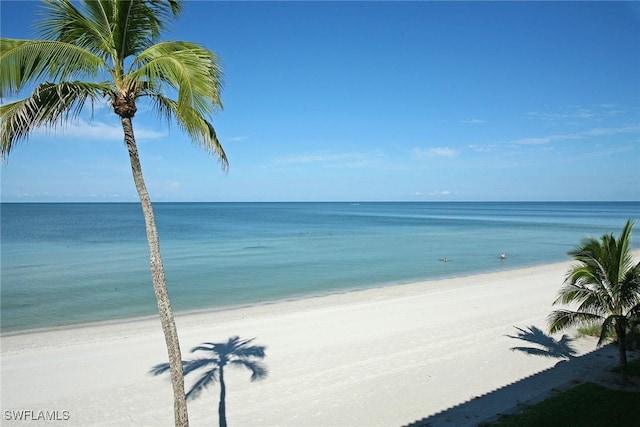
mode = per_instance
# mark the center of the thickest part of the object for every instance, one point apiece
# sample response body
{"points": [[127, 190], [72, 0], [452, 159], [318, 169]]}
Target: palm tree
{"points": [[234, 352], [605, 286], [109, 51]]}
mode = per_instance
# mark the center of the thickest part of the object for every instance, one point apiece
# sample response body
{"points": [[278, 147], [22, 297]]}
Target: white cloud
{"points": [[474, 121], [97, 130], [482, 148], [541, 140], [437, 193], [419, 153]]}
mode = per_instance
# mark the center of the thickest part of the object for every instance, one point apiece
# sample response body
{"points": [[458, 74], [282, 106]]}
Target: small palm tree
{"points": [[109, 51], [605, 286], [234, 352]]}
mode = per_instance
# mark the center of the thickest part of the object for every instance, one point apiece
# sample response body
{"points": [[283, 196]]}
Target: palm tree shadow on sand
{"points": [[546, 345], [570, 370], [234, 352]]}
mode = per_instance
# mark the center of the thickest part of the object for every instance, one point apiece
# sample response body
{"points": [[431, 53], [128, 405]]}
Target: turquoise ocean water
{"points": [[73, 263]]}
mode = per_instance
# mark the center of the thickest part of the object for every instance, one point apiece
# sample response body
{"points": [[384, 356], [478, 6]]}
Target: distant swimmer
{"points": [[445, 259], [503, 256]]}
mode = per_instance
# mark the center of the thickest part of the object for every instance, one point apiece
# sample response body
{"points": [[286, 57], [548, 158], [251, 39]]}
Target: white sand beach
{"points": [[380, 357]]}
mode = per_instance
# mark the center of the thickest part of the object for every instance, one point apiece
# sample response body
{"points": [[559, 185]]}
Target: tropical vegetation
{"points": [[109, 51], [603, 288], [234, 352]]}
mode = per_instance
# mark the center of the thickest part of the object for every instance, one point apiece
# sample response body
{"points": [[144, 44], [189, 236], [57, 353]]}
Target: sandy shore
{"points": [[380, 357]]}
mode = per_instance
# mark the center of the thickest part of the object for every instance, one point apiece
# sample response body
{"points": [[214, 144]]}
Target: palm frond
{"points": [[135, 28], [573, 292], [203, 134], [630, 287], [108, 27], [141, 22], [161, 13], [634, 312], [608, 329], [49, 105], [562, 319], [191, 70], [605, 286], [66, 23], [26, 61], [201, 131], [588, 284]]}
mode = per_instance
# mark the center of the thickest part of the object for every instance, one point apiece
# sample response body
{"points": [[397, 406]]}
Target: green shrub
{"points": [[590, 331]]}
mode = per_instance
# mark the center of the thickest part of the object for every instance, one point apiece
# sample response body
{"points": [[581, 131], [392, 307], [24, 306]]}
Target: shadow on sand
{"points": [[569, 371], [547, 346], [235, 352]]}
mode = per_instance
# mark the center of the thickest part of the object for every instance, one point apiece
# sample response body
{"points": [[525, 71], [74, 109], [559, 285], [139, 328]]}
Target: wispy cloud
{"points": [[97, 130], [348, 159], [605, 151], [578, 135], [546, 142], [482, 148], [612, 131], [573, 113], [420, 153], [473, 121], [442, 193]]}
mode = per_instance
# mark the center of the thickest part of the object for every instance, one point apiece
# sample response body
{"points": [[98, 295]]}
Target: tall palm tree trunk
{"points": [[222, 415], [159, 281], [621, 332]]}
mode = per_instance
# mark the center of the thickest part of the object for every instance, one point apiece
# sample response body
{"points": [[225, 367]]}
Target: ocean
{"points": [[69, 263]]}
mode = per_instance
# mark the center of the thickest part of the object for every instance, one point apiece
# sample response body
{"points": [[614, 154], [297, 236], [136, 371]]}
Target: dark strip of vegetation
{"points": [[586, 405]]}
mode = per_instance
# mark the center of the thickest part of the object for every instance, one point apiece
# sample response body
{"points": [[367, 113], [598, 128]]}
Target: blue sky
{"points": [[375, 101]]}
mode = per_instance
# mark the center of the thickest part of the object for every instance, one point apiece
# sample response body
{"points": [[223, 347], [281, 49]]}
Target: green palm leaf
{"points": [[49, 105], [186, 67], [26, 61], [199, 129]]}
